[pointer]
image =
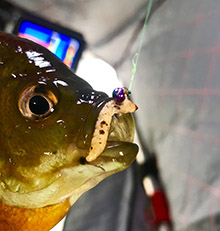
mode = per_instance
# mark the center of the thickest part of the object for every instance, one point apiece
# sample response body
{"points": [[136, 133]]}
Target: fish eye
{"points": [[39, 105], [36, 103]]}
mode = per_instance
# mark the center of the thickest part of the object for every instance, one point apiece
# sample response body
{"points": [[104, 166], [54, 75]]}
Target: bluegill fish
{"points": [[58, 136]]}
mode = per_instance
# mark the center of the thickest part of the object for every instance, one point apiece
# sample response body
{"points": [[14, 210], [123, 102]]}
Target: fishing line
{"points": [[120, 94], [137, 55]]}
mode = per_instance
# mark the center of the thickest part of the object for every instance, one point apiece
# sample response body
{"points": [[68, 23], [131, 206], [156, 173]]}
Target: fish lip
{"points": [[113, 145], [117, 156]]}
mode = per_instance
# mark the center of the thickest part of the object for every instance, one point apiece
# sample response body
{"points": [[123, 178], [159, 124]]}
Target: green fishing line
{"points": [[136, 56]]}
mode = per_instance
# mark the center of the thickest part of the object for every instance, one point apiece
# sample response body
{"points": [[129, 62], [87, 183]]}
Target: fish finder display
{"points": [[63, 46]]}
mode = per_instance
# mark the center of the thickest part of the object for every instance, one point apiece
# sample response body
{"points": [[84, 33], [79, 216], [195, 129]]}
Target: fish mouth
{"points": [[110, 122], [120, 151]]}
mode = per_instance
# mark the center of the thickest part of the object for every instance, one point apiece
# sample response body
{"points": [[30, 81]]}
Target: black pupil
{"points": [[39, 105]]}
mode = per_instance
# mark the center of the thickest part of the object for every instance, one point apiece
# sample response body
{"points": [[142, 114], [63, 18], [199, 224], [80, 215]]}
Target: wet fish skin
{"points": [[42, 158]]}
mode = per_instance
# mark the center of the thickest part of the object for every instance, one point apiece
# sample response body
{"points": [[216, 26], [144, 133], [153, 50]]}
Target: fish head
{"points": [[48, 116]]}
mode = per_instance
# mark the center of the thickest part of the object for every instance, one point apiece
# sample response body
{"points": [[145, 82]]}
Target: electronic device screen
{"points": [[66, 47]]}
